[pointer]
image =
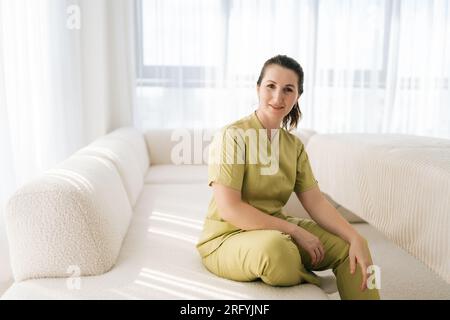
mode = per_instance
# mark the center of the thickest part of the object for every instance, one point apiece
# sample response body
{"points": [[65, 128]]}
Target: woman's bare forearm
{"points": [[326, 216], [331, 220]]}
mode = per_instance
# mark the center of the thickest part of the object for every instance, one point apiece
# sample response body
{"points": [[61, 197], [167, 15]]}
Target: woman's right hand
{"points": [[309, 242]]}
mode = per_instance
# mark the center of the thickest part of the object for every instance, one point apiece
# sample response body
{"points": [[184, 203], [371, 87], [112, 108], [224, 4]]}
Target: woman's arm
{"points": [[322, 212], [244, 216]]}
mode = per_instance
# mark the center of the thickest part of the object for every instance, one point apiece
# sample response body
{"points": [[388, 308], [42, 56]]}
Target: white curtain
{"points": [[40, 107], [66, 77], [377, 66]]}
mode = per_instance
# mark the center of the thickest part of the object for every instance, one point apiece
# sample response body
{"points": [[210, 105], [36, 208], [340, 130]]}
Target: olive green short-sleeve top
{"points": [[266, 172]]}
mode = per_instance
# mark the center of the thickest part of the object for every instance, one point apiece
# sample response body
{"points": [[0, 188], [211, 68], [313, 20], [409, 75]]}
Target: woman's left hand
{"points": [[359, 254]]}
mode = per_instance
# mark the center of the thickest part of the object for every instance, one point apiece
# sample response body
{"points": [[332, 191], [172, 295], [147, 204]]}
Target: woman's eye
{"points": [[270, 86]]}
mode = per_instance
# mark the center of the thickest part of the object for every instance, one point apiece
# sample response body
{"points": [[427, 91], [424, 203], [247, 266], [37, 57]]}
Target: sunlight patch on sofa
{"points": [[174, 235], [110, 154], [72, 177], [209, 290], [196, 221], [197, 226]]}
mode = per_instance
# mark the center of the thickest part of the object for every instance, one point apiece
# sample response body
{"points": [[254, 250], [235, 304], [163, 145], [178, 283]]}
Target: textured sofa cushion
{"points": [[135, 139], [123, 156], [72, 219]]}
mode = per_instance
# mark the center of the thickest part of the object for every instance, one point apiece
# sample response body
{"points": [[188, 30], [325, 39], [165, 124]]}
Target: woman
{"points": [[246, 236]]}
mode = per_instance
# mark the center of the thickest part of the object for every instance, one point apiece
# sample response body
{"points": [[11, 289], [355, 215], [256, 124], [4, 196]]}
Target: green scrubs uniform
{"points": [[266, 183]]}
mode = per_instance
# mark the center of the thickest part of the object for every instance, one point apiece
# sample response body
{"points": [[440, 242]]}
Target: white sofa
{"points": [[119, 220]]}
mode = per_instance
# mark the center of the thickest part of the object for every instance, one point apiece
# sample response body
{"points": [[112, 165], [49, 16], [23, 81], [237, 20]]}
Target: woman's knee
{"points": [[279, 260], [276, 245], [339, 251], [343, 248]]}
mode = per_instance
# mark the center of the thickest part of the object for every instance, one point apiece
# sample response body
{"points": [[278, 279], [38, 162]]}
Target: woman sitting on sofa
{"points": [[246, 236]]}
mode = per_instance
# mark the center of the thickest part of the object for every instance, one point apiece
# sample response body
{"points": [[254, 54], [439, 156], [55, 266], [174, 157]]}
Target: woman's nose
{"points": [[277, 97]]}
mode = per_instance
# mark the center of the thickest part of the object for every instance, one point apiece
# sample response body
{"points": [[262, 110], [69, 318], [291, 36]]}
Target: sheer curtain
{"points": [[39, 101], [418, 79], [66, 77], [380, 66]]}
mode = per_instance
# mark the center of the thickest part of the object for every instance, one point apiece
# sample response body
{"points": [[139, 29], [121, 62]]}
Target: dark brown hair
{"points": [[293, 117]]}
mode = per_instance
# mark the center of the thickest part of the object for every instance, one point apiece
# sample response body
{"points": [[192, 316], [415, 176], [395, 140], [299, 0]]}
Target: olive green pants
{"points": [[273, 257]]}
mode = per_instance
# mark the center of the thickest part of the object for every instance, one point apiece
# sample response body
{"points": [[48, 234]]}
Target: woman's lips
{"points": [[276, 108]]}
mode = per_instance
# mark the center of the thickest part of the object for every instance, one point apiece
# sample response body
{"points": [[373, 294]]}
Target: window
{"points": [[364, 61], [191, 42], [179, 64]]}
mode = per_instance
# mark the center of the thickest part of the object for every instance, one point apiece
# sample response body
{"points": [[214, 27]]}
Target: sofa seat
{"points": [[158, 259], [179, 174]]}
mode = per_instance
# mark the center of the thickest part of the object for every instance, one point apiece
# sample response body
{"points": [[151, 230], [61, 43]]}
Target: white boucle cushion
{"points": [[136, 140], [123, 157], [73, 218]]}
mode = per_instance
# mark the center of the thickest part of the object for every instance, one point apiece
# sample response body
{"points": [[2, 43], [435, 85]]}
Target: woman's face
{"points": [[278, 92]]}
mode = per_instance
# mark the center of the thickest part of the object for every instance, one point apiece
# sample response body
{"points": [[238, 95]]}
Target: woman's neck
{"points": [[268, 123]]}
